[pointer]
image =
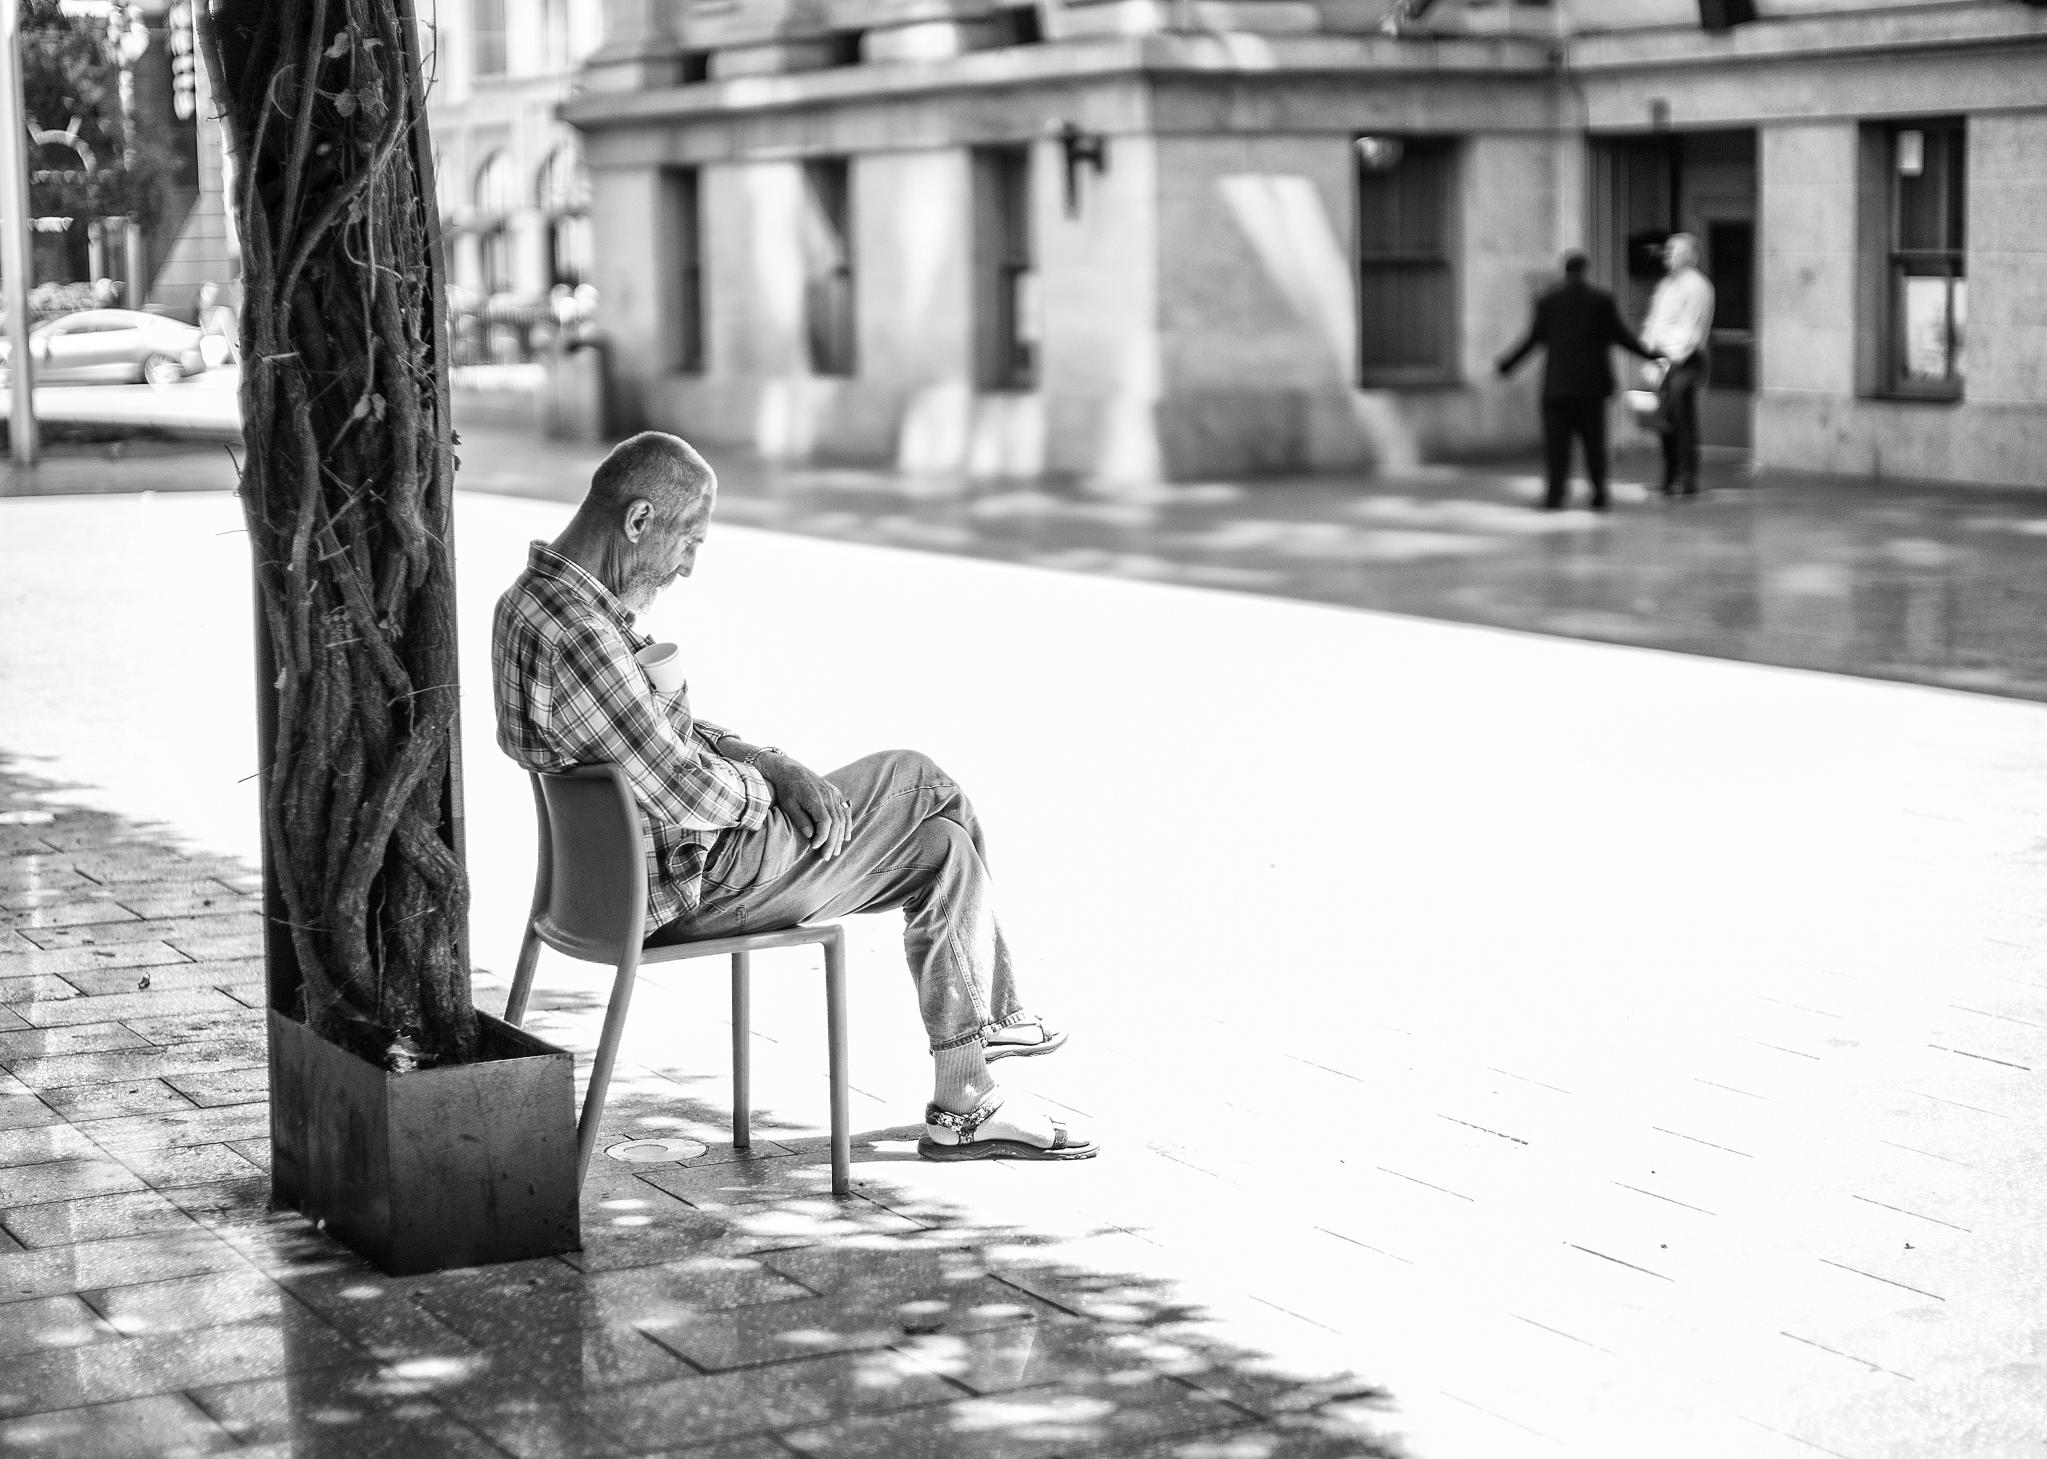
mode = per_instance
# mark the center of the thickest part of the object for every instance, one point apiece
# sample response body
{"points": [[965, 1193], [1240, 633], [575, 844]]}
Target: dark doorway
{"points": [[1650, 185]]}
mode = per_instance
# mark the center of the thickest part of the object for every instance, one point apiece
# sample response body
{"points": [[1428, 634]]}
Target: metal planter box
{"points": [[457, 1166]]}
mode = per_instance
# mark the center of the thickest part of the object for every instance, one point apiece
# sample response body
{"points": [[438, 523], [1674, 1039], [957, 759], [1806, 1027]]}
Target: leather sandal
{"points": [[967, 1144], [993, 1049]]}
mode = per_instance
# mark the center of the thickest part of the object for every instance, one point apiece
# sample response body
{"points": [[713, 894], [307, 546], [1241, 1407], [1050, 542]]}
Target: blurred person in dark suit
{"points": [[1577, 325]]}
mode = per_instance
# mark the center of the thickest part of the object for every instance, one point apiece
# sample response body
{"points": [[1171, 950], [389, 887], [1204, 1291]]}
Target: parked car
{"points": [[114, 346]]}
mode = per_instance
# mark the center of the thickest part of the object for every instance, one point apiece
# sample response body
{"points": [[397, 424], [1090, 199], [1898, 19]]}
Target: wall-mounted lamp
{"points": [[1080, 147], [1380, 154]]}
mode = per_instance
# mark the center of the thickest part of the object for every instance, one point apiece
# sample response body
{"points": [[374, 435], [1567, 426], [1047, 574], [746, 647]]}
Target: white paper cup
{"points": [[663, 663]]}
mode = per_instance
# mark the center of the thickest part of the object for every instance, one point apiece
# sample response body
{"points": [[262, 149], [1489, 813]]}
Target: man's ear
{"points": [[638, 513]]}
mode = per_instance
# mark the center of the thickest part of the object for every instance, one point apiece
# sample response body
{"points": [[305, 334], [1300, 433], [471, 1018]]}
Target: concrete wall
{"points": [[1810, 412]]}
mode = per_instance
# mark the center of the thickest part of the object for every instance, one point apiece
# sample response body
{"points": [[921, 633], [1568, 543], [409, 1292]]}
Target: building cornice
{"points": [[1066, 63], [1891, 33]]}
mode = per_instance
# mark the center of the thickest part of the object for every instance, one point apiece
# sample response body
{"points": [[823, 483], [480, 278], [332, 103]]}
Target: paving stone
{"points": [[256, 1152], [211, 1299], [10, 1020], [742, 1181], [44, 1144], [169, 1426], [494, 1311], [185, 1165], [358, 1409], [225, 1202], [181, 1028], [51, 1322], [36, 988], [67, 912], [217, 973], [127, 1005], [81, 1038], [20, 1110], [58, 1180], [30, 961], [154, 1257], [140, 864], [227, 1086], [166, 1362], [160, 900], [230, 935], [717, 1406], [378, 1315], [179, 1128], [1075, 1417], [209, 1056], [108, 1101], [534, 1426], [94, 1218], [844, 1322]]}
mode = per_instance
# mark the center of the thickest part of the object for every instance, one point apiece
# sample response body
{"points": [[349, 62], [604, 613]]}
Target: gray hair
{"points": [[652, 466]]}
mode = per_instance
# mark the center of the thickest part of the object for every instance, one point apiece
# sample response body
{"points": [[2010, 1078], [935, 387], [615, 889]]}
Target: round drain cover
{"points": [[656, 1152]]}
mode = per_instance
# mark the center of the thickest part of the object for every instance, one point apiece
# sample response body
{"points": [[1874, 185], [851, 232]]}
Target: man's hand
{"points": [[815, 807]]}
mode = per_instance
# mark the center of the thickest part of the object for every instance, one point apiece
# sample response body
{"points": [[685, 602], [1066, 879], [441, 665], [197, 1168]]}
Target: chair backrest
{"points": [[590, 898]]}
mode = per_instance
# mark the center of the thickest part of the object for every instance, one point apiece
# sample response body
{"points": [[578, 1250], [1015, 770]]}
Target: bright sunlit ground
{"points": [[1606, 1051]]}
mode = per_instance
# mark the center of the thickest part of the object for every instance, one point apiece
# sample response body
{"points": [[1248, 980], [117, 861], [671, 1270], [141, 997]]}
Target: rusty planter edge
{"points": [[457, 1166]]}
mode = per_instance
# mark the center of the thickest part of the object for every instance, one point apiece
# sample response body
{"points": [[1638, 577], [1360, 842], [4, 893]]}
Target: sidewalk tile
{"points": [[169, 1426], [378, 1315], [498, 1311], [10, 1020], [852, 1321], [236, 934], [702, 1410], [178, 898], [126, 1005], [94, 1218], [40, 1323], [185, 1165], [357, 1409], [180, 1028], [214, 973], [28, 960], [226, 1086], [223, 1203], [149, 1061], [66, 913], [219, 947], [210, 1299], [107, 1101], [165, 1362], [62, 1180], [154, 1257], [83, 1038], [21, 1110], [1028, 1423], [32, 1147], [179, 1128], [35, 988]]}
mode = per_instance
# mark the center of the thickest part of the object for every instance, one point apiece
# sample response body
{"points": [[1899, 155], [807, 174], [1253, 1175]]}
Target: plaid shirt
{"points": [[569, 692]]}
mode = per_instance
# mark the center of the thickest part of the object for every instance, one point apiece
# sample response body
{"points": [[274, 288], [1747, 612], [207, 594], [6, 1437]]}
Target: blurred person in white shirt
{"points": [[1680, 319]]}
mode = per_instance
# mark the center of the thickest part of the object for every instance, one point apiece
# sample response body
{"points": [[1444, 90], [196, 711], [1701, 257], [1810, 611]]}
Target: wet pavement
{"points": [[1936, 585], [1501, 1045]]}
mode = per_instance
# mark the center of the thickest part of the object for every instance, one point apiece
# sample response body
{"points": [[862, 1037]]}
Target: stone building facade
{"points": [[1136, 240]]}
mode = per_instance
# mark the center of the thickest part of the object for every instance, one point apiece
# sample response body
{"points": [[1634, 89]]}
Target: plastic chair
{"points": [[590, 902]]}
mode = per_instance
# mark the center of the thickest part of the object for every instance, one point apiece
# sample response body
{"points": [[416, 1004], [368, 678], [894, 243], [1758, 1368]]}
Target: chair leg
{"points": [[522, 978], [742, 1049], [835, 1038], [607, 1056]]}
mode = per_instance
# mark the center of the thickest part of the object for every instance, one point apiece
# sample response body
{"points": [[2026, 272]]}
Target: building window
{"points": [[1406, 233], [1926, 310], [828, 265], [562, 191], [487, 36], [1005, 285], [685, 202], [493, 197]]}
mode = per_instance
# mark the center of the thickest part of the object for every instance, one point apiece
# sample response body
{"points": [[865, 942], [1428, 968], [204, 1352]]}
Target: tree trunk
{"points": [[347, 489]]}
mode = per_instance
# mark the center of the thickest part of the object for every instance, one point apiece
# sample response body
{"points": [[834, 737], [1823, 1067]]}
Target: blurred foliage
{"points": [[71, 85]]}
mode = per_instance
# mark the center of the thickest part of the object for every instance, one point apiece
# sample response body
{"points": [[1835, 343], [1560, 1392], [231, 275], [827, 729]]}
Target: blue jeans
{"points": [[914, 843]]}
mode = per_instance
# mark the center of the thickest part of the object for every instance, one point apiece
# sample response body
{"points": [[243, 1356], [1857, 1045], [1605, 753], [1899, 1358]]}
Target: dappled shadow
{"points": [[726, 1297]]}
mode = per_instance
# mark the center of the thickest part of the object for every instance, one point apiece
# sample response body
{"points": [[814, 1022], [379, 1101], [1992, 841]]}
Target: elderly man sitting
{"points": [[742, 838]]}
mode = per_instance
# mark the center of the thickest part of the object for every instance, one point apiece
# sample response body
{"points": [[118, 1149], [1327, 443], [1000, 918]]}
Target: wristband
{"points": [[758, 751]]}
